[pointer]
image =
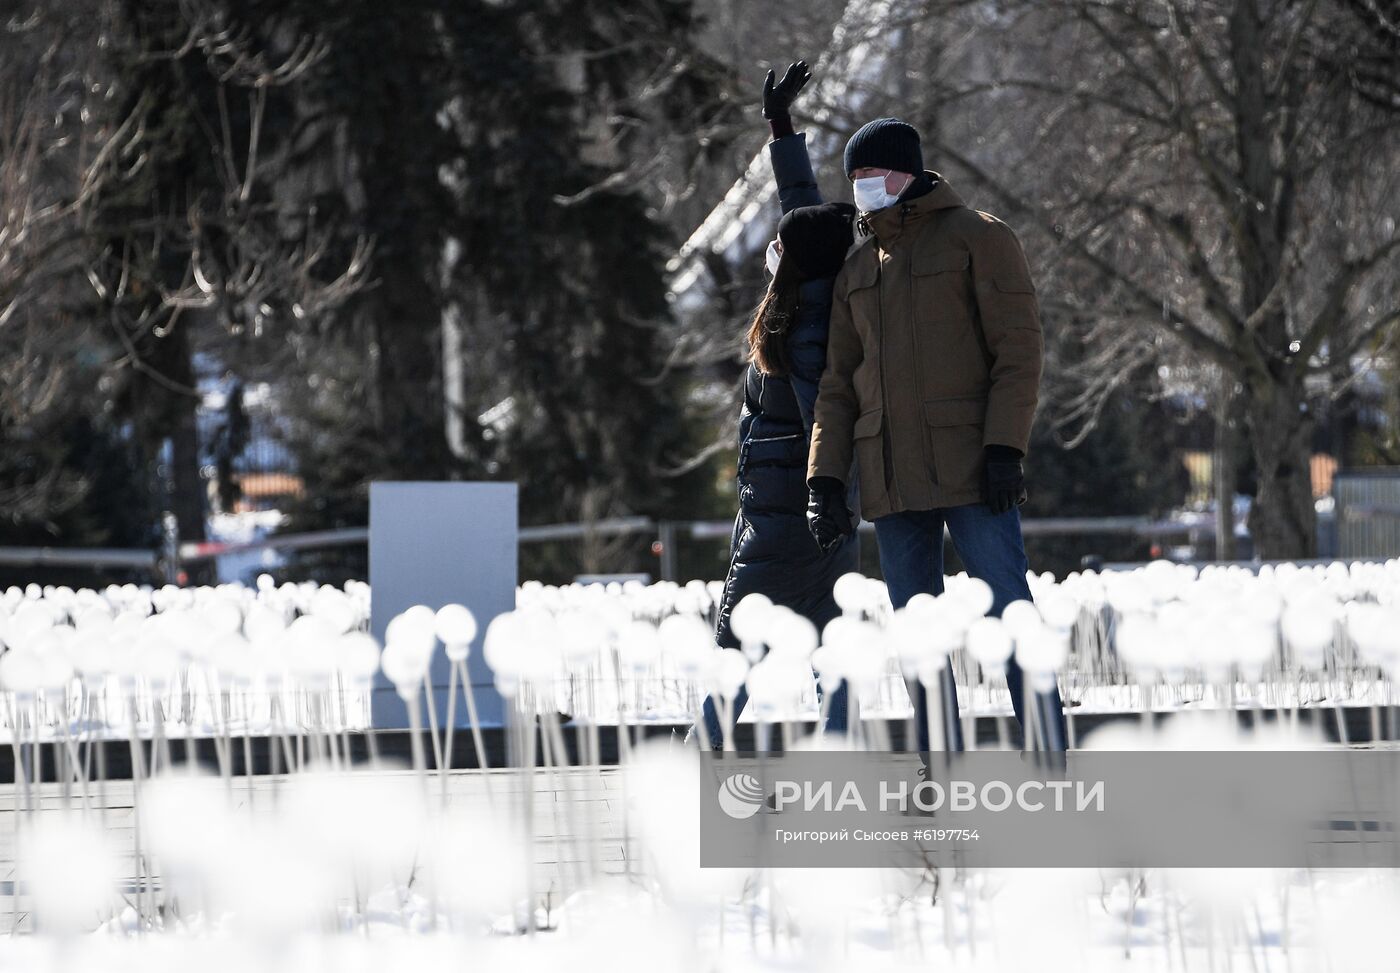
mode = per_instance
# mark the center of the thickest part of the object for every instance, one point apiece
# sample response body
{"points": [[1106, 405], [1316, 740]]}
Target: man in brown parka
{"points": [[931, 382]]}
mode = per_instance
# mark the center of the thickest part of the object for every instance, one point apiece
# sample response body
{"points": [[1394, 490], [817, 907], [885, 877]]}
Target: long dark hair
{"points": [[767, 334]]}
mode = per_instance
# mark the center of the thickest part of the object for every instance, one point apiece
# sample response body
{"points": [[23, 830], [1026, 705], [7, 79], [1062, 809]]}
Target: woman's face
{"points": [[771, 255]]}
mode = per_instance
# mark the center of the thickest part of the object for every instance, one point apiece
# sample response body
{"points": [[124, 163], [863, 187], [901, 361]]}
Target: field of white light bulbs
{"points": [[193, 777]]}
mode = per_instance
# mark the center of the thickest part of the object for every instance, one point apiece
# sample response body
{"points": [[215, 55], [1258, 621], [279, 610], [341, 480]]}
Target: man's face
{"points": [[895, 182]]}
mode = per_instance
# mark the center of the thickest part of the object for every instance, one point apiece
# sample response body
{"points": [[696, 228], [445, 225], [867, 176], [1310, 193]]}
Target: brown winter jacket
{"points": [[935, 351]]}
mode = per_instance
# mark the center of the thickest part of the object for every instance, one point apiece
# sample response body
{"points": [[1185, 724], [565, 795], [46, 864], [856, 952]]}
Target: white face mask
{"points": [[772, 257], [870, 194]]}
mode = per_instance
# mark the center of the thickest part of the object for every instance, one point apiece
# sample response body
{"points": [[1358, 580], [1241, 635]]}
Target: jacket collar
{"points": [[889, 223]]}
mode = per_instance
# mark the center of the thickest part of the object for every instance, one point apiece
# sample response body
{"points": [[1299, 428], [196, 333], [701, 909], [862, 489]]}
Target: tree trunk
{"points": [[188, 491], [1223, 471], [1283, 521]]}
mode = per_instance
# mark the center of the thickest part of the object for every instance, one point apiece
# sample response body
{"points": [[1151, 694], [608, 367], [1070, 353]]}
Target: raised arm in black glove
{"points": [[828, 517], [778, 98], [1003, 481]]}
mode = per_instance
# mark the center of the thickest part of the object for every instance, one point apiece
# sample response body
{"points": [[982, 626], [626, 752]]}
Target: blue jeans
{"points": [[990, 544]]}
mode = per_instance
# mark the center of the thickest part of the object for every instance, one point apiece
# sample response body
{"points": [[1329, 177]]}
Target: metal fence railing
{"points": [[86, 557], [1368, 512], [667, 533]]}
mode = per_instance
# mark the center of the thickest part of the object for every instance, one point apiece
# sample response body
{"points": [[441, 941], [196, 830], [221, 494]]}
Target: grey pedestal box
{"points": [[433, 544]]}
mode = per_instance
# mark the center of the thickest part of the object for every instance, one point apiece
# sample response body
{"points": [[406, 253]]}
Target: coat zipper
{"points": [[914, 335], [887, 464]]}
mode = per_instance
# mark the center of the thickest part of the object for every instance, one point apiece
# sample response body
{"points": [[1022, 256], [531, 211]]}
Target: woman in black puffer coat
{"points": [[772, 551]]}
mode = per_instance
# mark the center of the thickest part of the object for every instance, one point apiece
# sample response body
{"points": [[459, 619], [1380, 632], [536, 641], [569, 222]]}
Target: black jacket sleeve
{"points": [[792, 170]]}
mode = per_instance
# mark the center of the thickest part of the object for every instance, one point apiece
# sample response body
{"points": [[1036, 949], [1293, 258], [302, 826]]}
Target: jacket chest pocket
{"points": [[941, 286], [951, 354]]}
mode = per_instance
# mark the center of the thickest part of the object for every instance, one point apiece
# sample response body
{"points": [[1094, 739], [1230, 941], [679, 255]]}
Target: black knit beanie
{"points": [[816, 238], [886, 143]]}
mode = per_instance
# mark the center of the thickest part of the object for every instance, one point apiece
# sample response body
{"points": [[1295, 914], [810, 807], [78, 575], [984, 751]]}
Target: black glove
{"points": [[828, 517], [778, 98], [1003, 481]]}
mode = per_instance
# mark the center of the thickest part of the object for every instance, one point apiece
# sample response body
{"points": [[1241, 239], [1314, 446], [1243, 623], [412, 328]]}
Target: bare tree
{"points": [[1203, 194], [57, 153], [123, 234]]}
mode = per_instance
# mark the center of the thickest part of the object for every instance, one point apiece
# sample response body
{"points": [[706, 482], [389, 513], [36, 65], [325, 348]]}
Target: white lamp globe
{"points": [[1162, 580], [416, 625], [30, 621], [1040, 651], [688, 643], [908, 634], [728, 673], [851, 592], [539, 663], [750, 617], [1174, 618], [864, 667], [357, 657], [227, 655], [263, 622], [1135, 640], [923, 603], [842, 630], [1253, 646], [1020, 616], [404, 668], [1059, 610], [583, 634], [775, 685], [21, 672], [503, 635], [949, 620], [638, 646], [1127, 593], [825, 660], [56, 667], [989, 642], [456, 627], [687, 602], [877, 595], [158, 662], [685, 630], [93, 617], [1373, 629], [312, 661], [220, 618], [335, 609], [310, 628], [1308, 629], [976, 594], [791, 635], [89, 654]]}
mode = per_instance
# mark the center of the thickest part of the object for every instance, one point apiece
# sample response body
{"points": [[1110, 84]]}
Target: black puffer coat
{"points": [[771, 550]]}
